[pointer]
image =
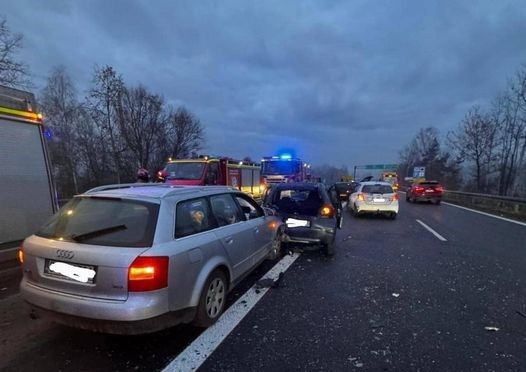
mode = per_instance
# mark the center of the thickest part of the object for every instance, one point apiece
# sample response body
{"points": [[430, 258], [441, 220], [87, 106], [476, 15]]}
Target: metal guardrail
{"points": [[504, 205], [488, 196]]}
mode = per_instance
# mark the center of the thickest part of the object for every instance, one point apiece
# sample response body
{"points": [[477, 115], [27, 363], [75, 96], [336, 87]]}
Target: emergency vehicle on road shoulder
{"points": [[205, 170]]}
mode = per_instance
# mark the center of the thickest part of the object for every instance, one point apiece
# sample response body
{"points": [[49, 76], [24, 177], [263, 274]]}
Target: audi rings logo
{"points": [[62, 253]]}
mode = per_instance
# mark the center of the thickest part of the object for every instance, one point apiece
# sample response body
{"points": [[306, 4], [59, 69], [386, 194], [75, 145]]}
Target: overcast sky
{"points": [[343, 82]]}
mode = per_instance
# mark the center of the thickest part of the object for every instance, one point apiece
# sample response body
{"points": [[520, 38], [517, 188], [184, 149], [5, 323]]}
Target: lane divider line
{"points": [[440, 237], [203, 346], [486, 214]]}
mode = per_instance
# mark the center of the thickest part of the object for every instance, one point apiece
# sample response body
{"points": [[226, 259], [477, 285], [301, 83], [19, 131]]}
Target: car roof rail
{"points": [[123, 186]]}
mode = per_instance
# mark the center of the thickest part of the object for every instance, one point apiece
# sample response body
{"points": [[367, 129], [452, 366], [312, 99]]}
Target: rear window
{"points": [[429, 183], [343, 187], [104, 221], [377, 189], [303, 201]]}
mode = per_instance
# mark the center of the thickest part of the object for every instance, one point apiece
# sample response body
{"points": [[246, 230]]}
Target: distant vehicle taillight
{"points": [[439, 189], [327, 211], [361, 197], [395, 197], [419, 189], [148, 274]]}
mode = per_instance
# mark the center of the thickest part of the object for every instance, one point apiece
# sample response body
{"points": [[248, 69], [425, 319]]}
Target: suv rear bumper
{"points": [[315, 234]]}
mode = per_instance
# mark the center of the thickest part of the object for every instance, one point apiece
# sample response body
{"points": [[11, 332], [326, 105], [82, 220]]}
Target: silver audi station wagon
{"points": [[138, 258]]}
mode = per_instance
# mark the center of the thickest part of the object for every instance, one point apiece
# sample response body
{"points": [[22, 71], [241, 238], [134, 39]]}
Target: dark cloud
{"points": [[343, 83]]}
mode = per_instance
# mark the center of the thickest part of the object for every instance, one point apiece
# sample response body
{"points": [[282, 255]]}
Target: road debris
{"points": [[269, 283], [3, 289], [520, 313], [491, 328], [396, 294]]}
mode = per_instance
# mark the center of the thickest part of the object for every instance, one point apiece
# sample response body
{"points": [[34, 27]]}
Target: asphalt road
{"points": [[394, 297]]}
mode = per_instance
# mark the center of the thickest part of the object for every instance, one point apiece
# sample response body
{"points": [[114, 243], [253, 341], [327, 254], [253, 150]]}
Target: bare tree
{"points": [[61, 109], [102, 102], [141, 122], [12, 72], [185, 133], [474, 140]]}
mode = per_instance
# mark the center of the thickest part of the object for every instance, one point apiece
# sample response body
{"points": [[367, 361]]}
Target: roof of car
{"points": [[153, 191], [290, 185], [369, 183]]}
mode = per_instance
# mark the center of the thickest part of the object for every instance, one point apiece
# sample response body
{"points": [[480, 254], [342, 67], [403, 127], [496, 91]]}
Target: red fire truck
{"points": [[206, 170], [283, 168]]}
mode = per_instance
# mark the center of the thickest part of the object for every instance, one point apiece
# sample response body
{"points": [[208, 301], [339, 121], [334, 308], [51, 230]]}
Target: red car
{"points": [[425, 191]]}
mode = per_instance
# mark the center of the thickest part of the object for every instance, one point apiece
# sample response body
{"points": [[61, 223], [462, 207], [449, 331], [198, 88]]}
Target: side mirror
{"points": [[269, 211]]}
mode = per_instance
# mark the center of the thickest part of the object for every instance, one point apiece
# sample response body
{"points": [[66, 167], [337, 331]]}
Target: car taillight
{"points": [[419, 189], [439, 189], [395, 197], [21, 255], [148, 274], [361, 197], [327, 211]]}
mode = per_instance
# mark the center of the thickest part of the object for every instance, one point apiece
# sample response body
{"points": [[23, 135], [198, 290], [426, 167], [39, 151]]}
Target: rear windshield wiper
{"points": [[95, 233]]}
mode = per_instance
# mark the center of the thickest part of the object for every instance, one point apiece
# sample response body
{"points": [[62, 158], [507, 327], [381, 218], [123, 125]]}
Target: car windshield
{"points": [[185, 170], [377, 189], [104, 221], [275, 167]]}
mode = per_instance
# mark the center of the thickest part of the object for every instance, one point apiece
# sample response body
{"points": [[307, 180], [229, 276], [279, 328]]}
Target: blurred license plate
{"points": [[379, 200], [292, 222], [430, 190], [75, 272]]}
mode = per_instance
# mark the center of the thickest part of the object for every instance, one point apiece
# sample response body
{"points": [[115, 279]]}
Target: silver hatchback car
{"points": [[138, 258]]}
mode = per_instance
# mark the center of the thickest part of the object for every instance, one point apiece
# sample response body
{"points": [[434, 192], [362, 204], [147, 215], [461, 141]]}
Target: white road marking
{"points": [[203, 346], [440, 237], [486, 214]]}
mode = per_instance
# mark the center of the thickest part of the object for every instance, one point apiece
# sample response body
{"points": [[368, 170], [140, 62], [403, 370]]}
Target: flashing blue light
{"points": [[285, 157], [48, 133]]}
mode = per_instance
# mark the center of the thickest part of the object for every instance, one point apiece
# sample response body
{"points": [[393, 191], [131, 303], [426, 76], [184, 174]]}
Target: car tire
{"points": [[328, 249], [407, 199], [212, 301], [276, 249], [437, 202]]}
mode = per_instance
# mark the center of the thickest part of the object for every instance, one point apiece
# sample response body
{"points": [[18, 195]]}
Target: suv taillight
{"points": [[439, 189], [148, 274], [419, 189], [327, 211], [21, 255], [361, 197]]}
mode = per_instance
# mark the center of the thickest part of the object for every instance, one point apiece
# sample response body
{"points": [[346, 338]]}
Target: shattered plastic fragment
{"points": [[491, 328], [396, 294]]}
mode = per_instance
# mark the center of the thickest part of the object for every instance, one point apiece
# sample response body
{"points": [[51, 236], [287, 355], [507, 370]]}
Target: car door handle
{"points": [[229, 240], [256, 230]]}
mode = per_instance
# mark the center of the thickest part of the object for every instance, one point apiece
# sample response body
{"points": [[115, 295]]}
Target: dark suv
{"points": [[310, 214]]}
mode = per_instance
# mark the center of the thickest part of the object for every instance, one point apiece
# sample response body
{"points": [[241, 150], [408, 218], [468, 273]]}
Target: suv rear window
{"points": [[377, 189], [429, 183], [305, 201], [104, 221], [343, 187]]}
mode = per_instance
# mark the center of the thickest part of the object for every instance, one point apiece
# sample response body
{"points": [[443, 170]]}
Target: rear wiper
{"points": [[94, 234]]}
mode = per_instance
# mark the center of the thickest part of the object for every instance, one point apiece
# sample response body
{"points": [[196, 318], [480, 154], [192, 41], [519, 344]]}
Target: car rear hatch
{"points": [[378, 194], [87, 248], [379, 199], [430, 189]]}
